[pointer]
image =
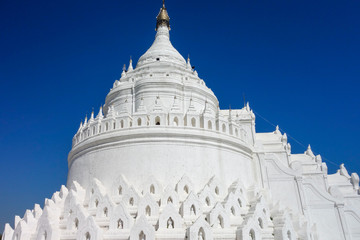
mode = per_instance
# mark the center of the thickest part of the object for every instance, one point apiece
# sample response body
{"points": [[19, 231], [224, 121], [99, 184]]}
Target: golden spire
{"points": [[163, 18]]}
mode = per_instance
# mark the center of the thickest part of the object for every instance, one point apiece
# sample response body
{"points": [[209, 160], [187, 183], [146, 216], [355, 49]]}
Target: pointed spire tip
{"points": [[163, 18]]}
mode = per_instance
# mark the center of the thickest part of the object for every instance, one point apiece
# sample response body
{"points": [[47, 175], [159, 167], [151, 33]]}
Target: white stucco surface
{"points": [[160, 160]]}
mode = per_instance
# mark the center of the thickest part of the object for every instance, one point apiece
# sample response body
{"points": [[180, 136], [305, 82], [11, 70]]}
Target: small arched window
{"points": [[240, 203], [207, 200], [120, 190], [148, 211], [157, 120], [114, 125], [186, 189], [170, 223], [152, 189], [289, 235], [233, 211], [44, 236], [139, 121], [76, 223], [223, 127], [122, 123], [142, 236], [176, 121], [260, 221], [193, 122], [120, 224], [217, 190], [209, 125], [192, 210], [87, 236], [131, 201], [220, 221], [201, 234], [96, 203], [107, 127], [106, 212], [252, 234]]}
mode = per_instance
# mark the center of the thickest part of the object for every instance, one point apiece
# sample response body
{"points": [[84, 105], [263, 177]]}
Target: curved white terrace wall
{"points": [[167, 153]]}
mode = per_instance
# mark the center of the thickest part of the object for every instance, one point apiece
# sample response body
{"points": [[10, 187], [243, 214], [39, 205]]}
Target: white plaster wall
{"points": [[353, 222], [160, 153], [327, 222], [287, 193]]}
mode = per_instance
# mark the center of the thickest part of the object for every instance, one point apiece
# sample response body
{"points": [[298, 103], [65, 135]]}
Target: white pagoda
{"points": [[161, 161]]}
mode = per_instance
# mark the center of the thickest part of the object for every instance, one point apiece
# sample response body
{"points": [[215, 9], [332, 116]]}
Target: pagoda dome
{"points": [[162, 50], [160, 72]]}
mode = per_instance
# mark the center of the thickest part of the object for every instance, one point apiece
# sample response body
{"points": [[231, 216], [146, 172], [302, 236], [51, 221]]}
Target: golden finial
{"points": [[163, 18]]}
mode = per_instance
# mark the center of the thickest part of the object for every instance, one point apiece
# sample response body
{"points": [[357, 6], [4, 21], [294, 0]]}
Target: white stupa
{"points": [[162, 161]]}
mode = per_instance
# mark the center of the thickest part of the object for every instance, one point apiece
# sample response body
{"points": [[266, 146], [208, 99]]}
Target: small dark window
{"points": [[157, 59]]}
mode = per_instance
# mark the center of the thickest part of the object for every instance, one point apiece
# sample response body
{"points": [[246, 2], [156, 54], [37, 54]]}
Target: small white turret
{"points": [[277, 131], [191, 108], [247, 106], [80, 127], [123, 74], [130, 68], [100, 115], [229, 118], [8, 232], [175, 107], [141, 107], [188, 64], [318, 159], [158, 105], [343, 171], [309, 152], [355, 181], [86, 120], [207, 108], [289, 148], [111, 112], [91, 117]]}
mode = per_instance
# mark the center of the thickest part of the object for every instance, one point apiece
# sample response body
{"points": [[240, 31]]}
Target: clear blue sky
{"points": [[297, 62]]}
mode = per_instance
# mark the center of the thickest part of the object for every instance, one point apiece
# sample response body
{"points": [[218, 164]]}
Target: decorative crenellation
{"points": [[190, 76], [237, 123], [184, 74], [153, 212]]}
